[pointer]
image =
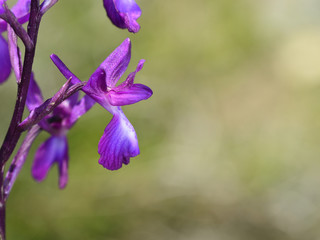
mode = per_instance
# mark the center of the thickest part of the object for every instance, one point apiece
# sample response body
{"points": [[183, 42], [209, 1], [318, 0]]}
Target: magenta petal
{"points": [[55, 149], [135, 93], [64, 70], [118, 143], [123, 13], [63, 162], [97, 84], [34, 97], [113, 66], [108, 73], [73, 99], [44, 158], [81, 108], [15, 55], [5, 65], [3, 25], [21, 9], [127, 92], [130, 79]]}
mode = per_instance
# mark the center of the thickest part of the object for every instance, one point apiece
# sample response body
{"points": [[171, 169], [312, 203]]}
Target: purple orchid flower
{"points": [[57, 124], [21, 11], [119, 142], [123, 13]]}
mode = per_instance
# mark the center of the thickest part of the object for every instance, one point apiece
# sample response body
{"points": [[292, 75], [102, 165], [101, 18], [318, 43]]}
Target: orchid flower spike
{"points": [[123, 13]]}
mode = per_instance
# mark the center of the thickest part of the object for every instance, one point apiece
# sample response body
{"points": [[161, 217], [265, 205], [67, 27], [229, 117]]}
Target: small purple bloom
{"points": [[123, 13], [53, 150], [119, 142], [57, 124], [21, 11], [15, 55]]}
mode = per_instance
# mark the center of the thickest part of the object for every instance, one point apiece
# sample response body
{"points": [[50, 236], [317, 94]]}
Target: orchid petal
{"points": [[64, 70], [118, 143], [130, 79], [21, 9], [135, 93], [97, 83], [63, 162], [129, 93], [73, 99], [113, 67], [81, 108], [34, 97], [15, 55], [44, 159], [5, 65], [123, 13], [108, 73], [85, 104], [3, 25], [54, 149]]}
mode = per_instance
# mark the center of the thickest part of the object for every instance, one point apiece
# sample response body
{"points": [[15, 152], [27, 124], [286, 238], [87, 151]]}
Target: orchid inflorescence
{"points": [[58, 114]]}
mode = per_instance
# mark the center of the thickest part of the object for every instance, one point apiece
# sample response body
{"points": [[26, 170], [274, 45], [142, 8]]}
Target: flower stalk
{"points": [[58, 114]]}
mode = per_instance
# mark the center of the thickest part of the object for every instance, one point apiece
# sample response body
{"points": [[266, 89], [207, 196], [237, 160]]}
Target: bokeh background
{"points": [[229, 141]]}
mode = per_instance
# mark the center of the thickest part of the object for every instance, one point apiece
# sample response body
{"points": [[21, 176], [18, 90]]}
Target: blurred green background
{"points": [[229, 141]]}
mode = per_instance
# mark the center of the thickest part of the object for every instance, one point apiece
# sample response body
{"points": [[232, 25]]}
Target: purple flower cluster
{"points": [[119, 141]]}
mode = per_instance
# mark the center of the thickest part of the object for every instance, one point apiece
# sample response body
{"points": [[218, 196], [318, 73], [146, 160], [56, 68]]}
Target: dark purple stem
{"points": [[13, 133]]}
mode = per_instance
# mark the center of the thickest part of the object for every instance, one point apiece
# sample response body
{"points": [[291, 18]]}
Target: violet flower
{"points": [[123, 13], [119, 142], [21, 11], [55, 148]]}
